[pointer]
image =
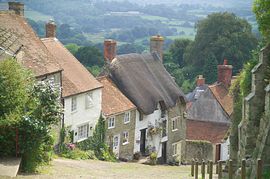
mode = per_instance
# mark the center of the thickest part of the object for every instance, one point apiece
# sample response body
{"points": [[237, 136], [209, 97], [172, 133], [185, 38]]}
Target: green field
{"points": [[37, 16]]}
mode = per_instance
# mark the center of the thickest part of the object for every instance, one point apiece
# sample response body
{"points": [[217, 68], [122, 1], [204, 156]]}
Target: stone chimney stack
{"points": [[200, 80], [109, 50], [225, 73], [50, 29], [17, 7], [156, 45]]}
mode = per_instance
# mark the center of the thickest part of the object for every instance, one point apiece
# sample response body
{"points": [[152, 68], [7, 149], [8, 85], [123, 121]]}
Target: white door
{"points": [[116, 143]]}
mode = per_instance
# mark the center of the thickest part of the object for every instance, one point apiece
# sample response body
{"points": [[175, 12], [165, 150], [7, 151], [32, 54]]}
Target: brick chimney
{"points": [[225, 73], [109, 49], [156, 45], [200, 80], [50, 29], [17, 7]]}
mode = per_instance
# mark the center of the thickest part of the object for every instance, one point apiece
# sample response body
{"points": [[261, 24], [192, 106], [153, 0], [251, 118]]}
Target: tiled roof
{"points": [[17, 32], [76, 78], [113, 101], [222, 95], [209, 131]]}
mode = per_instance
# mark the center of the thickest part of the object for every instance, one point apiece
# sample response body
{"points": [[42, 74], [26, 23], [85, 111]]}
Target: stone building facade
{"points": [[254, 129]]}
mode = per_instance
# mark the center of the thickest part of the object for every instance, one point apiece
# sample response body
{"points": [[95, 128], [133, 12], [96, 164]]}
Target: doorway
{"points": [[143, 141], [164, 153]]}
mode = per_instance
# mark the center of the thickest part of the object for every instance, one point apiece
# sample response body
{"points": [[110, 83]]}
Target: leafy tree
{"points": [[261, 8], [73, 48], [210, 69], [95, 70], [226, 36], [89, 56], [32, 109], [130, 48], [177, 50]]}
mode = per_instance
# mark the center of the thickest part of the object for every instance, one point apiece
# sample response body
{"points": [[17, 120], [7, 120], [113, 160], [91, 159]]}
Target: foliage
{"points": [[97, 143], [177, 50], [73, 48], [89, 56], [210, 69], [153, 158], [130, 48], [94, 70], [225, 36], [32, 109], [261, 8]]}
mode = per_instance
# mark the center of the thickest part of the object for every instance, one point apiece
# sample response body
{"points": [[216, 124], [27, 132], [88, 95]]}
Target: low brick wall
{"points": [[198, 149]]}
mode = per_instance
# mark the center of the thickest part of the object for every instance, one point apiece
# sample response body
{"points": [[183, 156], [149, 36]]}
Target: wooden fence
{"points": [[207, 168]]}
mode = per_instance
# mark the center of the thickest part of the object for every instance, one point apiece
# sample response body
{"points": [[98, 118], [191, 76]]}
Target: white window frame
{"points": [[89, 100], [83, 132], [115, 142], [175, 122], [174, 147], [73, 104], [111, 122], [125, 137], [127, 117]]}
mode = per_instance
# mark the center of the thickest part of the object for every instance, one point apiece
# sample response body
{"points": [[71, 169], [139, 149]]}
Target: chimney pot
{"points": [[17, 7], [50, 29], [200, 80], [225, 73], [156, 45], [225, 62], [109, 49]]}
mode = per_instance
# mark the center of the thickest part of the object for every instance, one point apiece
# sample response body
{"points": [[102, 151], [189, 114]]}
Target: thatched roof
{"points": [[145, 81]]}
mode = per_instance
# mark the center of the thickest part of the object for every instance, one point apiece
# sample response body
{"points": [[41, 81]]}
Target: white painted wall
{"points": [[224, 151], [82, 115], [154, 141]]}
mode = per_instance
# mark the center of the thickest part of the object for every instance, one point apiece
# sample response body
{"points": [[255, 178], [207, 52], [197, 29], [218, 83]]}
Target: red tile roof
{"points": [[223, 96], [76, 78], [35, 55], [113, 100], [209, 131]]}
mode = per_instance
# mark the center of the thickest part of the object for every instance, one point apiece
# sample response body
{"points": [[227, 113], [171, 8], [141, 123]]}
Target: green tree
{"points": [[210, 69], [90, 56], [261, 8], [226, 36], [73, 48], [177, 50]]}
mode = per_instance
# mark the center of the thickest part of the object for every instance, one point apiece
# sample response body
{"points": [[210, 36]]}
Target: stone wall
{"points": [[125, 150], [179, 135], [199, 150]]}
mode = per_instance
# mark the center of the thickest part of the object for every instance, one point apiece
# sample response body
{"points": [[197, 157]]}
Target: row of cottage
{"points": [[143, 107]]}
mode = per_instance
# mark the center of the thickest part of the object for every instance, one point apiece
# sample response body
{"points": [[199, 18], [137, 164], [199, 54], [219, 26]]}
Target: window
{"points": [[111, 122], [83, 131], [174, 124], [174, 146], [127, 117], [115, 141], [73, 104], [125, 138], [88, 100], [140, 116]]}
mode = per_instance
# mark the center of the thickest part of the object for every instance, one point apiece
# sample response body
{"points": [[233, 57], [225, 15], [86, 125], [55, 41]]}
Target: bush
{"points": [[137, 156], [153, 158]]}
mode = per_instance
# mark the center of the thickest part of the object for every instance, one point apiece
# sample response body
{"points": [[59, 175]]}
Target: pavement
{"points": [[9, 167]]}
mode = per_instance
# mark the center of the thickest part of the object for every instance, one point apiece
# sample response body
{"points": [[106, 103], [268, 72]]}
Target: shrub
{"points": [[137, 156], [153, 158]]}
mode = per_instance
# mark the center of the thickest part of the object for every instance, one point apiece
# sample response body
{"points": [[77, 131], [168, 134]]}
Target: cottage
{"points": [[209, 110], [81, 92], [160, 124], [120, 116]]}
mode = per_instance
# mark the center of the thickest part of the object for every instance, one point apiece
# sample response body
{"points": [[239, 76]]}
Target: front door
{"points": [[116, 143], [142, 141], [164, 152], [218, 152]]}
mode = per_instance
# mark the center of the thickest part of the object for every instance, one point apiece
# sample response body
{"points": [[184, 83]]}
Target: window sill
{"points": [[126, 122], [73, 112], [82, 139], [111, 127], [174, 130], [126, 143]]}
